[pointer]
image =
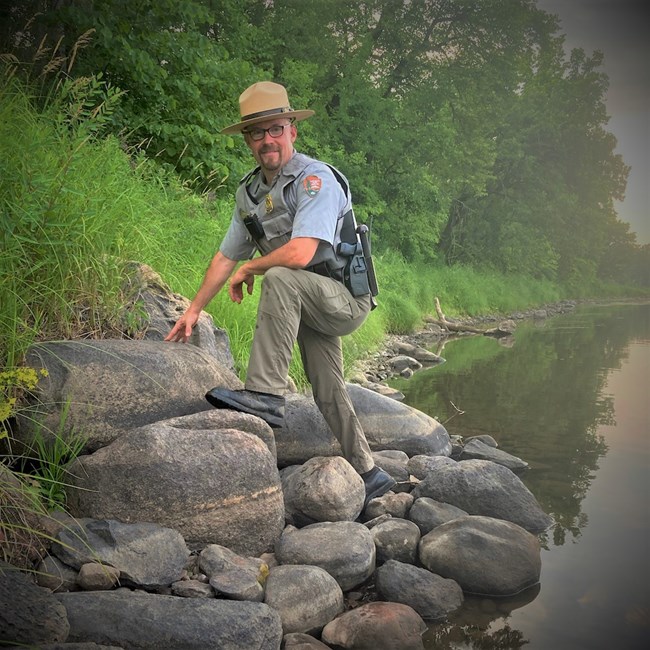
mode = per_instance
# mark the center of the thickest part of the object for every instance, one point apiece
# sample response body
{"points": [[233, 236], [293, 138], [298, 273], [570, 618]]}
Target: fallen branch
{"points": [[442, 321], [457, 412], [454, 327]]}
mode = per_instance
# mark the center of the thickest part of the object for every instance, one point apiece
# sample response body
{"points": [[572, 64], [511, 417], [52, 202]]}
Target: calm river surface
{"points": [[571, 396]]}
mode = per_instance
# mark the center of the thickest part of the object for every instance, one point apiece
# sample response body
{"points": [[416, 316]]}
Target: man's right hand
{"points": [[182, 331], [215, 277]]}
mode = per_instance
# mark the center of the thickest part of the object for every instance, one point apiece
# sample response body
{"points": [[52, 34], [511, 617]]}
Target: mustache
{"points": [[267, 148]]}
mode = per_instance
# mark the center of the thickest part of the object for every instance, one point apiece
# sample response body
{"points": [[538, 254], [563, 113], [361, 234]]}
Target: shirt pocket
{"points": [[278, 226]]}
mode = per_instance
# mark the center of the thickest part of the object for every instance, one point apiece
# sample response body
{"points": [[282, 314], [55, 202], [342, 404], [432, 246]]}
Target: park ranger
{"points": [[296, 212]]}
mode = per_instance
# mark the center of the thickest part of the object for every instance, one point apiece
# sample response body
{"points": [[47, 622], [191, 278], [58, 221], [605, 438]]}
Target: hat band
{"points": [[272, 111]]}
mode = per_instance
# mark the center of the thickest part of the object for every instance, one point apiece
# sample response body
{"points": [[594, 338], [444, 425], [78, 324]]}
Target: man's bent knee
{"points": [[277, 273]]}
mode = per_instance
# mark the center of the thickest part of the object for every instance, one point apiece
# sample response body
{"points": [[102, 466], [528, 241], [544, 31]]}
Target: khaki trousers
{"points": [[298, 305]]}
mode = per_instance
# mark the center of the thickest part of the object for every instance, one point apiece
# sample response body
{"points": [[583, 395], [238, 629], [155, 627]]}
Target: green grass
{"points": [[76, 209], [47, 460]]}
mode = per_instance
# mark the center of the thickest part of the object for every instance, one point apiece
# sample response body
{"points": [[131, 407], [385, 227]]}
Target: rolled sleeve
{"points": [[319, 201]]}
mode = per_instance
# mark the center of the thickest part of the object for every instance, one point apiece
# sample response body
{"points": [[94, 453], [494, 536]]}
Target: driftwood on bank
{"points": [[451, 327]]}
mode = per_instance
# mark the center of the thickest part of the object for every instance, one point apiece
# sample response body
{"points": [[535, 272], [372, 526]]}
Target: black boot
{"points": [[264, 405], [377, 482]]}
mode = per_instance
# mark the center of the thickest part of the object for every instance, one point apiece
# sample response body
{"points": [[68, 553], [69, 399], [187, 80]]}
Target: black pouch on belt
{"points": [[355, 275]]}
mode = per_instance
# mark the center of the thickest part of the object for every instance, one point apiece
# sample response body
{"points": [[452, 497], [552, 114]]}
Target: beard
{"points": [[272, 162]]}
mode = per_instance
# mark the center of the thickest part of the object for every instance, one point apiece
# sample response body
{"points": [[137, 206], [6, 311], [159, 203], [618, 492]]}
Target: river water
{"points": [[570, 395]]}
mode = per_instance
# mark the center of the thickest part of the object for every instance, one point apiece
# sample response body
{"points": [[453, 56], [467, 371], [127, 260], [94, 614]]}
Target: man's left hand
{"points": [[242, 276]]}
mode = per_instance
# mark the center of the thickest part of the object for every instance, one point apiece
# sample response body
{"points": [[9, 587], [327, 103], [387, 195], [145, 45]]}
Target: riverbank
{"points": [[141, 551], [378, 367]]}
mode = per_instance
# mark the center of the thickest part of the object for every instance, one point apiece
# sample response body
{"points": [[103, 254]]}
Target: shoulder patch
{"points": [[312, 184]]}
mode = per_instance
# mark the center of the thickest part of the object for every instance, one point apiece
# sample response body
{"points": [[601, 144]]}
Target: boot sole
{"points": [[275, 421]]}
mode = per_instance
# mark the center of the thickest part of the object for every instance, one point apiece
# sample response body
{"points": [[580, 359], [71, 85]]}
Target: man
{"points": [[293, 210]]}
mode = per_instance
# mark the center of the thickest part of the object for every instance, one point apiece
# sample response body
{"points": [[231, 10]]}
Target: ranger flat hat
{"points": [[263, 101]]}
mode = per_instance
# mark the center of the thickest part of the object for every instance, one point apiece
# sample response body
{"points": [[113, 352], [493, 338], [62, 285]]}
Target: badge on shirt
{"points": [[312, 185], [268, 203]]}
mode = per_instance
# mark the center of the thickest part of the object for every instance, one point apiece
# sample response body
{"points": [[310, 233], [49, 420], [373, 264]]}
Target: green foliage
{"points": [[58, 264], [22, 539], [47, 461], [466, 132], [408, 291], [26, 496], [555, 176], [12, 382], [75, 210], [456, 139], [180, 79]]}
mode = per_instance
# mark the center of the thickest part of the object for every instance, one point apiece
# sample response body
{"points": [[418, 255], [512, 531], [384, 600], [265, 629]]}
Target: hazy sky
{"points": [[619, 29]]}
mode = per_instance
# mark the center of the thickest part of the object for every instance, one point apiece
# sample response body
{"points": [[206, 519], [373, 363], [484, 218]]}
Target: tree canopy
{"points": [[467, 133]]}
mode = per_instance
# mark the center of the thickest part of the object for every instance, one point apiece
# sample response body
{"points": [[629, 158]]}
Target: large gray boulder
{"points": [[481, 487], [225, 419], [396, 539], [483, 555], [431, 596], [322, 489], [345, 549], [150, 622], [29, 614], [163, 308], [422, 464], [213, 486], [232, 575], [56, 575], [377, 625], [394, 462], [388, 425], [83, 645], [102, 389], [147, 555], [301, 641], [428, 513], [395, 505], [478, 449], [306, 597]]}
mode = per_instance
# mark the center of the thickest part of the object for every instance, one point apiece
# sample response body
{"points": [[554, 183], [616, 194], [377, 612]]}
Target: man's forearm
{"points": [[215, 278], [295, 254]]}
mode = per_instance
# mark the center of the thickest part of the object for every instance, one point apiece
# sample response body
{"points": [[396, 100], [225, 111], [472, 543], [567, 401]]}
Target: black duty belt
{"points": [[322, 269]]}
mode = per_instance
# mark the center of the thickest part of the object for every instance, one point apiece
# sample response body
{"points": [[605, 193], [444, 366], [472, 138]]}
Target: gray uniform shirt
{"points": [[314, 200]]}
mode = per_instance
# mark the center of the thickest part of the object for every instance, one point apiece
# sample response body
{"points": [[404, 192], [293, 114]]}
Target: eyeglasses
{"points": [[274, 131]]}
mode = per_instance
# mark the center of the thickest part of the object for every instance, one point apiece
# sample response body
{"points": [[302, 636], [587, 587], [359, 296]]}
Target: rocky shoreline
{"points": [[383, 365], [197, 528]]}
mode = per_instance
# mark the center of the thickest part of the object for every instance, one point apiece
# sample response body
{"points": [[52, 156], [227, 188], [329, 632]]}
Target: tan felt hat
{"points": [[263, 101]]}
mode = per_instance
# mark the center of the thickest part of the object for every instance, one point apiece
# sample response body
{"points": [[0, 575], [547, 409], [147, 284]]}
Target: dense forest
{"points": [[467, 133]]}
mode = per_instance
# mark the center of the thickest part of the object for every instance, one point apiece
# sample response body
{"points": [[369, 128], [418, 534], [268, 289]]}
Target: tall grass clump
{"points": [[32, 484], [58, 271], [75, 210]]}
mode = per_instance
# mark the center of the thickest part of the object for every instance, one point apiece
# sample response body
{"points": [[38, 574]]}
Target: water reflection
{"points": [[481, 623], [569, 396], [541, 399]]}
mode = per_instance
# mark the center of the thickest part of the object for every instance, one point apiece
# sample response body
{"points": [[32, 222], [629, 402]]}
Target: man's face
{"points": [[272, 153]]}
